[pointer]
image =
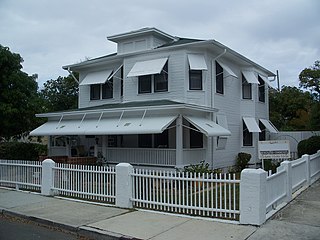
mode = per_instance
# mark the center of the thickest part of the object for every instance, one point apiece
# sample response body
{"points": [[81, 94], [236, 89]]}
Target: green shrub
{"points": [[21, 151], [270, 165], [202, 167], [242, 161], [309, 146]]}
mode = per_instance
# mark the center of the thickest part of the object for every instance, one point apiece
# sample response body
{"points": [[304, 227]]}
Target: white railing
{"points": [[148, 156], [193, 155], [276, 194], [93, 183], [290, 177], [207, 195], [21, 174], [314, 167]]}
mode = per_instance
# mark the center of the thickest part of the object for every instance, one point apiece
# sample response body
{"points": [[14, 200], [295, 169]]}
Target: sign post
{"points": [[273, 149]]}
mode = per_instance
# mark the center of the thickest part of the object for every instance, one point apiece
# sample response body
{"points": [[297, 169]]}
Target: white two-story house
{"points": [[164, 101]]}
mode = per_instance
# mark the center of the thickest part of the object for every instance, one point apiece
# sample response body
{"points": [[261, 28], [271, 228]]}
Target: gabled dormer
{"points": [[140, 40]]}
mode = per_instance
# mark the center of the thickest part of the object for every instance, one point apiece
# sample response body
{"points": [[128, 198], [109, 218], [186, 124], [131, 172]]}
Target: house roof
{"points": [[175, 42], [135, 105]]}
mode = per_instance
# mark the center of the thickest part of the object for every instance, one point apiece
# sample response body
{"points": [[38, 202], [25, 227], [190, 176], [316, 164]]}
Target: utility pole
{"points": [[278, 80]]}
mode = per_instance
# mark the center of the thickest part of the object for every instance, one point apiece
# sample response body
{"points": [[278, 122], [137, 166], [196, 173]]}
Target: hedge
{"points": [[22, 151], [309, 146]]}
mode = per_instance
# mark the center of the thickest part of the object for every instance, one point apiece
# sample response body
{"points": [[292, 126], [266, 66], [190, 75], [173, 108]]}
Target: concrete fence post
{"points": [[306, 157], [124, 185], [253, 203], [47, 177], [288, 167]]}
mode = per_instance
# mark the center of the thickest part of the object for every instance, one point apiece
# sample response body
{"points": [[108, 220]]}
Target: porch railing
{"points": [[147, 156]]}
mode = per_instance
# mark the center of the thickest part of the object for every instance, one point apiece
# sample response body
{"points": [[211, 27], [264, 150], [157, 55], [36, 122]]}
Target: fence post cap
{"points": [[48, 160], [123, 165], [251, 170]]}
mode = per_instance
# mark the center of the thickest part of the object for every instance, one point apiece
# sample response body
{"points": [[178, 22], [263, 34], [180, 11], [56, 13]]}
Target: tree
{"points": [[60, 94], [19, 100], [290, 108], [310, 79]]}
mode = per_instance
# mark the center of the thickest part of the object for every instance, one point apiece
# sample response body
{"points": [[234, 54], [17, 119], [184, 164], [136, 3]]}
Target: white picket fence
{"points": [[92, 183], [21, 174], [207, 195]]}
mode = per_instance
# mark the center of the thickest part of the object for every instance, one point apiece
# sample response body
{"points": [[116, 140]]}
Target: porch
{"points": [[161, 157]]}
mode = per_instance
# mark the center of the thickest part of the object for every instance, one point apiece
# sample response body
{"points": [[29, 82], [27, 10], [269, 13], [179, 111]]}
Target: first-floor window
{"points": [[195, 79], [247, 136], [262, 134], [95, 92]]}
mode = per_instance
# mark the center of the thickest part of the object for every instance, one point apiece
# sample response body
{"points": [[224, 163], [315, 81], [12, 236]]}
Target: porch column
{"points": [[49, 146], [68, 149], [179, 142], [104, 146]]}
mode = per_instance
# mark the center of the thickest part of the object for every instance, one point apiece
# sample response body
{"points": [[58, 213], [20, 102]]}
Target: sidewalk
{"points": [[299, 220]]}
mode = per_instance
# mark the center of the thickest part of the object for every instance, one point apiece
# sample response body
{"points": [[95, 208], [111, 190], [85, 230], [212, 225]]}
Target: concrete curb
{"points": [[84, 231]]}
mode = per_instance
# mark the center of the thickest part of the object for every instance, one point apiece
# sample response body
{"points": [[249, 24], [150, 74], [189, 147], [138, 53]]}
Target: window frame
{"points": [[247, 137], [261, 90], [262, 134], [195, 79], [93, 91], [219, 79], [147, 79], [246, 88], [107, 88]]}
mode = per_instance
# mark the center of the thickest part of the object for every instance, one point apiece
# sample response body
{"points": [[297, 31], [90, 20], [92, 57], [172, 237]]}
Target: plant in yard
{"points": [[202, 167], [242, 161]]}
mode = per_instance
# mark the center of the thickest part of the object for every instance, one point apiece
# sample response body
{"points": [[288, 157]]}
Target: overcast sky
{"points": [[280, 35]]}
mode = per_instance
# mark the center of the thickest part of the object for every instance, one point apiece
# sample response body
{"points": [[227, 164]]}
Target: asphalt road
{"points": [[13, 228]]}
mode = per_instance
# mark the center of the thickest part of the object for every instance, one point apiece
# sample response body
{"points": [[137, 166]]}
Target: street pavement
{"points": [[298, 220]]}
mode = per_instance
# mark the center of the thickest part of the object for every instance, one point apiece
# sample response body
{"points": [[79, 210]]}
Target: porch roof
{"points": [[129, 106]]}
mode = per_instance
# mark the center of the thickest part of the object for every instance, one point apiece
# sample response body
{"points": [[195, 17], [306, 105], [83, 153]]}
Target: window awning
{"points": [[250, 77], [251, 124], [105, 126], [227, 69], [207, 127], [269, 125], [197, 62], [99, 77], [147, 67]]}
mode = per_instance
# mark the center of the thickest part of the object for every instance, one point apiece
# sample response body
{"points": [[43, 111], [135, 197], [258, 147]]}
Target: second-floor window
{"points": [[219, 79], [154, 82], [195, 79], [246, 89], [261, 90], [101, 91]]}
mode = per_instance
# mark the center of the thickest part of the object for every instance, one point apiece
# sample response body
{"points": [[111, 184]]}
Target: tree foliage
{"points": [[19, 100], [310, 79], [60, 94], [290, 108]]}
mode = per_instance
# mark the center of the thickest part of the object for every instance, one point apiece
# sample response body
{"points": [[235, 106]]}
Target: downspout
{"points": [[211, 100], [71, 73]]}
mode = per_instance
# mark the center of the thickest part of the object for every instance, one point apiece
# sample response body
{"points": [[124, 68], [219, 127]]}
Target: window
{"points": [[95, 92], [144, 84], [196, 138], [121, 91], [247, 136], [246, 89], [145, 140], [195, 79], [262, 91], [160, 140], [219, 79], [107, 89], [161, 80], [262, 134], [157, 82]]}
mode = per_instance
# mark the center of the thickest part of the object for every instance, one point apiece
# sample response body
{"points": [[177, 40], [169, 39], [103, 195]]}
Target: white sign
{"points": [[274, 149]]}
